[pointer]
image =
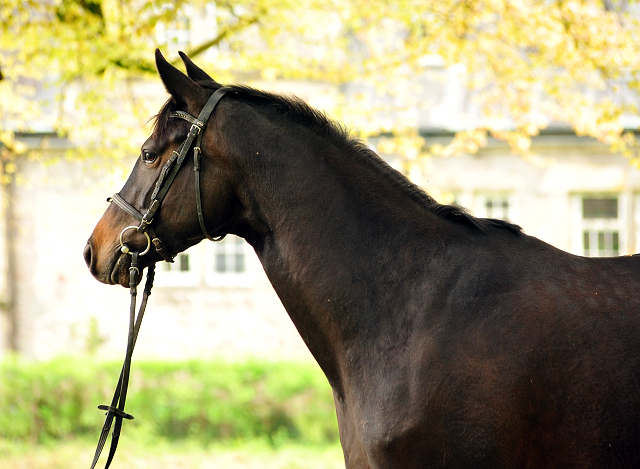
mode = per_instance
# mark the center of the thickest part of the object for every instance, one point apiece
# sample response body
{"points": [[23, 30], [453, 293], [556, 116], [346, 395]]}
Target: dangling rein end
{"points": [[115, 412]]}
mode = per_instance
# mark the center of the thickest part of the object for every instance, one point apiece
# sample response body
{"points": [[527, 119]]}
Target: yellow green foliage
{"points": [[529, 62]]}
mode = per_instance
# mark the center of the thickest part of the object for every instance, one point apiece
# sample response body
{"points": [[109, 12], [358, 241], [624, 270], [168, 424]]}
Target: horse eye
{"points": [[149, 157]]}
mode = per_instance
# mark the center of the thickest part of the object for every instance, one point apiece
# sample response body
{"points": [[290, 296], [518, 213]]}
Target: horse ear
{"points": [[178, 85], [195, 72]]}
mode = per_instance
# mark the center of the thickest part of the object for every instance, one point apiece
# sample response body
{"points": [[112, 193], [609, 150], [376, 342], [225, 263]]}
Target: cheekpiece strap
{"points": [[197, 128]]}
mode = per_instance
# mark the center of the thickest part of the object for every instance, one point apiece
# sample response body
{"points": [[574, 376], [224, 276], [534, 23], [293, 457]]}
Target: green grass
{"points": [[255, 454]]}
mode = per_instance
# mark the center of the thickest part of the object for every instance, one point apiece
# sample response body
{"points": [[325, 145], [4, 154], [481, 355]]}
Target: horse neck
{"points": [[312, 210], [327, 230]]}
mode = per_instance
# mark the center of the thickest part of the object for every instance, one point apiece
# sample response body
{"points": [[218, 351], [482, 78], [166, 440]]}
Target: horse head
{"points": [[156, 212]]}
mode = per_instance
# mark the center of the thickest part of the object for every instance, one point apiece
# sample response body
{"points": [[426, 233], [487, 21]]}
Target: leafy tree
{"points": [[570, 61], [74, 66], [527, 62]]}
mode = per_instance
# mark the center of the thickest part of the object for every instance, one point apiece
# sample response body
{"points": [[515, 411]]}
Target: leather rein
{"points": [[167, 175]]}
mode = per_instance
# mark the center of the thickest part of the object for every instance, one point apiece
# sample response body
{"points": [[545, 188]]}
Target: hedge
{"points": [[205, 400]]}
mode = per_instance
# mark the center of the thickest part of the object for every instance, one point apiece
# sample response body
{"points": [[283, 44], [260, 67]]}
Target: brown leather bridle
{"points": [[167, 175]]}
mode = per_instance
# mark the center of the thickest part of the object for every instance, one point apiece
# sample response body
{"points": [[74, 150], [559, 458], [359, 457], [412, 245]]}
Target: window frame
{"points": [[170, 275], [214, 278], [597, 226]]}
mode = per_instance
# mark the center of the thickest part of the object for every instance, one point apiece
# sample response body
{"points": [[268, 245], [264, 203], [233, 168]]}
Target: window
{"points": [[177, 33], [183, 272], [497, 206], [604, 207], [228, 263], [181, 264], [229, 256], [189, 25], [601, 225]]}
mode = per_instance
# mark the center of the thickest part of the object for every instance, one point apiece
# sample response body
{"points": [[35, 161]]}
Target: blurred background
{"points": [[523, 110]]}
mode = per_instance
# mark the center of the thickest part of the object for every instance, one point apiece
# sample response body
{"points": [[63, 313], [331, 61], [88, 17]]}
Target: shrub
{"points": [[203, 400]]}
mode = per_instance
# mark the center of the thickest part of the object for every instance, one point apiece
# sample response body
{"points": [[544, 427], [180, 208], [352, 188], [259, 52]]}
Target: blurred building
{"points": [[215, 300]]}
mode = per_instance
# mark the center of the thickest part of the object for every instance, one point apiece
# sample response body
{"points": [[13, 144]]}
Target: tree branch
{"points": [[243, 22]]}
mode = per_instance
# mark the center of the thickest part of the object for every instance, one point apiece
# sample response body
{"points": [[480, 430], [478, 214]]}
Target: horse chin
{"points": [[120, 272]]}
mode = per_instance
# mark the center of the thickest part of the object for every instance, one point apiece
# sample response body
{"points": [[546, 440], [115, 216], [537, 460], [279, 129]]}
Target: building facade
{"points": [[215, 300]]}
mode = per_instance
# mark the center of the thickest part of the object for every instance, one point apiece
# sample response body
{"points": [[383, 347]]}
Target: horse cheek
{"points": [[218, 205]]}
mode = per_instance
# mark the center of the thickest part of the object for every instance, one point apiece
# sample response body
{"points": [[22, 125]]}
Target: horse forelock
{"points": [[163, 121]]}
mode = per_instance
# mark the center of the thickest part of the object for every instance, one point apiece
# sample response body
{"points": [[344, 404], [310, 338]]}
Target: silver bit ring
{"points": [[125, 249]]}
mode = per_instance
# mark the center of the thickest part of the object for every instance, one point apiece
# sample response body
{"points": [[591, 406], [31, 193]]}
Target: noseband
{"points": [[168, 174]]}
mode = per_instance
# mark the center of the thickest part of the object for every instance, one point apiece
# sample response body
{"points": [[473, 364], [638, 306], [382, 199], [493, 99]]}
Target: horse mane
{"points": [[298, 111]]}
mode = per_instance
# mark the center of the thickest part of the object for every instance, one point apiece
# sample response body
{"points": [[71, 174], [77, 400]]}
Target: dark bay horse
{"points": [[449, 341]]}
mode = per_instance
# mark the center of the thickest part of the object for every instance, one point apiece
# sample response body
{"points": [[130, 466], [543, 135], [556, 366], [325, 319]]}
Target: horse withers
{"points": [[449, 341]]}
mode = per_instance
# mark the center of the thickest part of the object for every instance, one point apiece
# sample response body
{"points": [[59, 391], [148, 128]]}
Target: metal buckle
{"points": [[198, 126]]}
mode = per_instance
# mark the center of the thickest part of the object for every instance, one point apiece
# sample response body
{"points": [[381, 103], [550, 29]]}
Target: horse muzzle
{"points": [[112, 267]]}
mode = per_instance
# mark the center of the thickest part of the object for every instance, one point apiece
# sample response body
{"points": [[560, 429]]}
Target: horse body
{"points": [[491, 356], [432, 333], [448, 341]]}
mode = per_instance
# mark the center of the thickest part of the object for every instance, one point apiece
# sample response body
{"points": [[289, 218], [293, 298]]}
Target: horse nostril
{"points": [[87, 254]]}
